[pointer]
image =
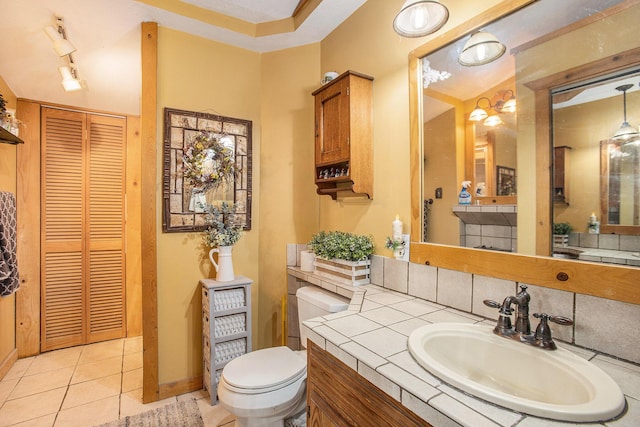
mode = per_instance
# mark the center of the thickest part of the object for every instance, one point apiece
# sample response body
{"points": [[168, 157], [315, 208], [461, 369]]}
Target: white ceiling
{"points": [[106, 34]]}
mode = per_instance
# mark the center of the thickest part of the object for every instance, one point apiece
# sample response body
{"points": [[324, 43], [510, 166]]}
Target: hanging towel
{"points": [[8, 261]]}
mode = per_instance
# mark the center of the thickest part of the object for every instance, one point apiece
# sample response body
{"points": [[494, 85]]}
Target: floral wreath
{"points": [[207, 162]]}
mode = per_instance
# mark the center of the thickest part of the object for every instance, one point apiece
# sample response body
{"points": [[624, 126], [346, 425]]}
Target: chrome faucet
{"points": [[522, 330]]}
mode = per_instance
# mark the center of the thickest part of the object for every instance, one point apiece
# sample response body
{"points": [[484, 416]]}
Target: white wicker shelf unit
{"points": [[226, 327]]}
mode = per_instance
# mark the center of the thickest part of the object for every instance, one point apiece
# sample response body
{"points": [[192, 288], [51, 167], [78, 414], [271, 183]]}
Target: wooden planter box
{"points": [[561, 240], [351, 273]]}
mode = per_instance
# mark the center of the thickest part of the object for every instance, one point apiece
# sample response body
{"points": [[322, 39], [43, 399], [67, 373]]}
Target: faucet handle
{"points": [[560, 320], [491, 303], [543, 331]]}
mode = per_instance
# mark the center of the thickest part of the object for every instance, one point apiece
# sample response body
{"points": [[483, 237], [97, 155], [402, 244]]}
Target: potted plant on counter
{"points": [[561, 232], [342, 256]]}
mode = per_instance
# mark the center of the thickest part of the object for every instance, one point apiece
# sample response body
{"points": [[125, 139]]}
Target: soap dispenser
{"points": [[465, 197]]}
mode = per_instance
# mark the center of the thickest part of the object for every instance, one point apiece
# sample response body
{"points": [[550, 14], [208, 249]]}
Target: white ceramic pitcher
{"points": [[224, 266]]}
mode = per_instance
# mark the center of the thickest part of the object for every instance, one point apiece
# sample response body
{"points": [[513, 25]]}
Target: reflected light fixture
{"points": [[625, 132], [506, 104], [418, 18], [58, 36], [70, 80], [481, 48]]}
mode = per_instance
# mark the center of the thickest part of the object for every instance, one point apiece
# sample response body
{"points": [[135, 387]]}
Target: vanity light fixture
{"points": [[506, 104], [58, 36], [481, 48], [625, 132], [418, 18]]}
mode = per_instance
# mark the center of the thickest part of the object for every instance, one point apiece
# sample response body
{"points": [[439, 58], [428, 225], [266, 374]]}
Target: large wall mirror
{"points": [[556, 54], [184, 203]]}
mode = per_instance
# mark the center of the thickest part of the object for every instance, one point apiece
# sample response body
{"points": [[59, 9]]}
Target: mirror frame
{"points": [[172, 183], [601, 280]]}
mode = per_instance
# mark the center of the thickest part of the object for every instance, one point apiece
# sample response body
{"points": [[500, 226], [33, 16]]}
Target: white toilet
{"points": [[264, 387]]}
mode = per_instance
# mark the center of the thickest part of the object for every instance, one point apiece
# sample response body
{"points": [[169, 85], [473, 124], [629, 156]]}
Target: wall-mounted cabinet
{"points": [[343, 136], [561, 174]]}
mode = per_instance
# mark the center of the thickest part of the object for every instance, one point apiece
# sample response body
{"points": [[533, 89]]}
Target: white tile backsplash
{"points": [[454, 289]]}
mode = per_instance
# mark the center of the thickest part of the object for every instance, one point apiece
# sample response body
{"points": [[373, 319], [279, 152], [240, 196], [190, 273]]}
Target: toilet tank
{"points": [[315, 302]]}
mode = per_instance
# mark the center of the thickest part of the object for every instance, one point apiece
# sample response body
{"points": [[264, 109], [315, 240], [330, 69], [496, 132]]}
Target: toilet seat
{"points": [[263, 371]]}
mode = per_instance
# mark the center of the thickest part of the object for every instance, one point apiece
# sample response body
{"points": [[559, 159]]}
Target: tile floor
{"points": [[85, 386]]}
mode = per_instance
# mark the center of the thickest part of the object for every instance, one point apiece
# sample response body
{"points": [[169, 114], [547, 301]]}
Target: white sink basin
{"points": [[554, 384]]}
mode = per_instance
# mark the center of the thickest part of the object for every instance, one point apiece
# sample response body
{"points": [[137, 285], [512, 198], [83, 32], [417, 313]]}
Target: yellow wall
{"points": [[7, 183], [200, 75], [288, 201], [440, 172], [595, 41]]}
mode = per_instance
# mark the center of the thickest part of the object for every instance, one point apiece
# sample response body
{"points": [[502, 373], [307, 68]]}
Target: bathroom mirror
{"points": [[475, 150], [182, 204], [586, 118], [598, 38]]}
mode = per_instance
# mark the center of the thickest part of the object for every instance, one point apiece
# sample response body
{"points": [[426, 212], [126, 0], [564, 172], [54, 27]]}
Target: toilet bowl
{"points": [[265, 387]]}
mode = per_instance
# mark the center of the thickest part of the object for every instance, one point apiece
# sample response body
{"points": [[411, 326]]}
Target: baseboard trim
{"points": [[8, 362], [183, 386]]}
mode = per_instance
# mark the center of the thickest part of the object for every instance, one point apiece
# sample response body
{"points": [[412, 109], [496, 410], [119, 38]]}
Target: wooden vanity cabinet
{"points": [[344, 136], [339, 396]]}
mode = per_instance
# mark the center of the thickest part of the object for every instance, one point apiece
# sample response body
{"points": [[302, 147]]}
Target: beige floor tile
{"points": [[54, 360], [213, 415], [18, 369], [133, 345], [31, 407], [131, 361], [6, 387], [198, 394], [98, 369], [131, 403], [101, 351], [90, 391], [33, 384], [46, 421], [94, 413], [131, 380]]}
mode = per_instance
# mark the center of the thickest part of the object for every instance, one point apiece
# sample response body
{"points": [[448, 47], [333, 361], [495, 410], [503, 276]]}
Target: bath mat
{"points": [[184, 413]]}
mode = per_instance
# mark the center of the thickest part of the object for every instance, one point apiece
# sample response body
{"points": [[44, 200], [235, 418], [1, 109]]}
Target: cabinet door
{"points": [[332, 123]]}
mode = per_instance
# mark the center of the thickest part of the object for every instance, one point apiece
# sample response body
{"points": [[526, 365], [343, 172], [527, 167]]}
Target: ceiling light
{"points": [[625, 132], [58, 36], [418, 18], [70, 80], [481, 48]]}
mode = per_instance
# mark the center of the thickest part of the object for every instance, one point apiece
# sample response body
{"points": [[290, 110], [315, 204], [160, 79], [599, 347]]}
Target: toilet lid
{"points": [[264, 370]]}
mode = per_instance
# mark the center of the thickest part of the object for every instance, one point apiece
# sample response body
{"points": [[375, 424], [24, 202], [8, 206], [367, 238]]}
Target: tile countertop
{"points": [[371, 338]]}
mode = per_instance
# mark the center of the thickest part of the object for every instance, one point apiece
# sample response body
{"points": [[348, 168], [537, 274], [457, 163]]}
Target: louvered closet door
{"points": [[82, 228]]}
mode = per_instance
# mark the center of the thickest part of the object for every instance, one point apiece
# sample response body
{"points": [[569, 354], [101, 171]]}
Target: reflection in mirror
{"points": [[602, 209], [184, 198], [457, 148]]}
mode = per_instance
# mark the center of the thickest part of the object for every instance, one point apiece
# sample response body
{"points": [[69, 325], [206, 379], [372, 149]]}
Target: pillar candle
{"points": [[396, 233]]}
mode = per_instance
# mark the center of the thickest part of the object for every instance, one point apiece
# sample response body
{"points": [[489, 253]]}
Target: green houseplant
{"points": [[561, 228], [343, 257], [561, 232], [342, 245]]}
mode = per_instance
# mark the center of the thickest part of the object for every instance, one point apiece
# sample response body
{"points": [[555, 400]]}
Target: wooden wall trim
{"points": [[601, 280], [148, 150], [28, 230], [8, 362], [133, 248], [179, 387]]}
